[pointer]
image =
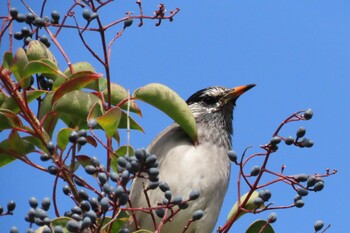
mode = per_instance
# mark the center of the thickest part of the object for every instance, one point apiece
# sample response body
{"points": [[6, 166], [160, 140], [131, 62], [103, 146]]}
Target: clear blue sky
{"points": [[298, 54]]}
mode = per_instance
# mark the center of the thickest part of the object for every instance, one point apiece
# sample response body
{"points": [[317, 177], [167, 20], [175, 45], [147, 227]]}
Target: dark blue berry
{"points": [[198, 214], [45, 203], [11, 205], [194, 194]]}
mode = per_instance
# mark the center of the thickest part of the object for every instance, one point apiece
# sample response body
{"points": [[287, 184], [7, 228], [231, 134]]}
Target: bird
{"points": [[186, 166]]}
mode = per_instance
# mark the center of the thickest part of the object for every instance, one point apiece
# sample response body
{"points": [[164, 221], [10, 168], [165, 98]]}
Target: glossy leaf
{"points": [[83, 160], [249, 204], [109, 121], [11, 104], [9, 119], [118, 94], [13, 148], [7, 60], [81, 67], [17, 67], [43, 66], [124, 150], [37, 51], [35, 141], [46, 114], [170, 103], [79, 81], [76, 104], [95, 112], [258, 225], [63, 137]]}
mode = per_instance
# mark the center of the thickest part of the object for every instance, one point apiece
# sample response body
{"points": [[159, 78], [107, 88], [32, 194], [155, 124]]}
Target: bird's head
{"points": [[216, 99]]}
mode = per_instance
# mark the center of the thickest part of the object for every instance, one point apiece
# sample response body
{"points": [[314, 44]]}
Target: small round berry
{"points": [[153, 172], [318, 225], [83, 194], [124, 230], [301, 132], [272, 217], [45, 203], [299, 203], [194, 195], [72, 226], [50, 147], [95, 161], [82, 141], [39, 22], [92, 123], [41, 213], [153, 184], [44, 39], [82, 133], [46, 229], [18, 36], [122, 162], [232, 155], [150, 160], [104, 204], [319, 186], [308, 142], [14, 12], [311, 181], [258, 202], [20, 18], [255, 171], [90, 169], [53, 170], [114, 176], [84, 205], [76, 210], [177, 200], [123, 200], [301, 177], [25, 31], [33, 202], [140, 154], [265, 194], [93, 202], [308, 114], [128, 22], [58, 229], [14, 230], [93, 16], [198, 214], [125, 176], [30, 18], [73, 136], [86, 14], [86, 222], [289, 140], [44, 157], [183, 205], [102, 177], [27, 40], [160, 212], [55, 15], [1, 209], [297, 197], [164, 186], [302, 192], [67, 190], [275, 140], [92, 215], [168, 194]]}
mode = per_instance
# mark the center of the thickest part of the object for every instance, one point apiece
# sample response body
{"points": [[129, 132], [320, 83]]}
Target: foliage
{"points": [[86, 103]]}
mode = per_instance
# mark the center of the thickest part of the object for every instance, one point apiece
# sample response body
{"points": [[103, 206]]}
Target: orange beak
{"points": [[236, 92]]}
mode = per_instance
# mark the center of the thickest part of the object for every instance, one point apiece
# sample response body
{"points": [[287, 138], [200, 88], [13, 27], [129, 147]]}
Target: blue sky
{"points": [[298, 54]]}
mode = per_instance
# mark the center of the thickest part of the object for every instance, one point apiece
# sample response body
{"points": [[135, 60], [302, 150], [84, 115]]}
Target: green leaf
{"points": [[43, 66], [133, 124], [13, 148], [76, 82], [109, 121], [63, 137], [45, 111], [11, 104], [35, 141], [17, 67], [118, 94], [9, 119], [76, 104], [3, 97], [249, 205], [80, 67], [37, 51], [7, 60], [170, 103], [256, 226], [124, 150]]}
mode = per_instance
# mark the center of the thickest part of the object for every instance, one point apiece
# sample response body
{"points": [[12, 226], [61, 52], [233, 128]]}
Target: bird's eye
{"points": [[209, 100]]}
